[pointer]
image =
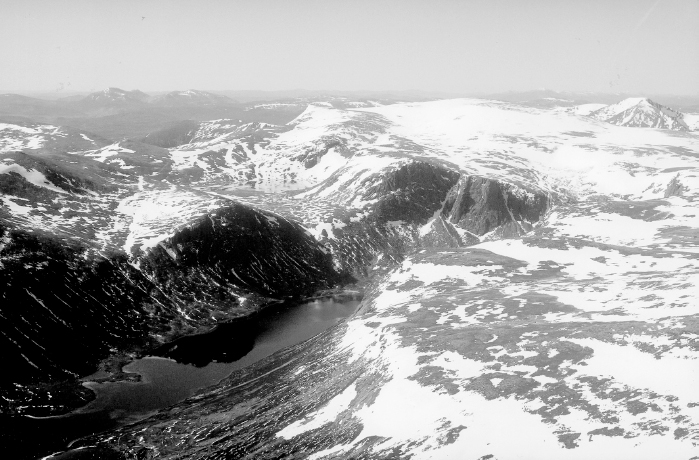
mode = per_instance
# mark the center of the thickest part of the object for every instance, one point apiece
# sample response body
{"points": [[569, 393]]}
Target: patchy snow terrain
{"points": [[537, 296]]}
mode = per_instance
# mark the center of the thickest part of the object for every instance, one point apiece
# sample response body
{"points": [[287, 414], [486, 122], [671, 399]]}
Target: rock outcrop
{"points": [[674, 187], [481, 205]]}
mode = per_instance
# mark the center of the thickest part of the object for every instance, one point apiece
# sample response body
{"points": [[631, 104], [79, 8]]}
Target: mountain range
{"points": [[529, 275]]}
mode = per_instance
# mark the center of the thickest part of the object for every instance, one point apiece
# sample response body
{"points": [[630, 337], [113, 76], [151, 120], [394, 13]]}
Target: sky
{"points": [[464, 47]]}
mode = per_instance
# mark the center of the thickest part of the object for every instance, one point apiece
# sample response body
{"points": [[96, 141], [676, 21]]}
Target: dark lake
{"points": [[180, 369]]}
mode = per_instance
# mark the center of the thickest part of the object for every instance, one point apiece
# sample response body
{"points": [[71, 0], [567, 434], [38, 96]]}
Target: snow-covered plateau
{"points": [[530, 278]]}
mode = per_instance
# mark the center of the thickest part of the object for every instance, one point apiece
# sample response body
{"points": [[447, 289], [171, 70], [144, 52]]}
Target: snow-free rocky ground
{"points": [[537, 294]]}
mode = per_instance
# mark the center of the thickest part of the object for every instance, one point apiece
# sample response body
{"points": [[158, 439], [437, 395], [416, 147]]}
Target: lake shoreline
{"points": [[142, 375]]}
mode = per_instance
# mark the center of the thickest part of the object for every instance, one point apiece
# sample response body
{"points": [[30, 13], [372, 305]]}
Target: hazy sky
{"points": [[636, 46]]}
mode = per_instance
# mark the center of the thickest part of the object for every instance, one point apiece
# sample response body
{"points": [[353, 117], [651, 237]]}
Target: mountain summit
{"points": [[641, 112]]}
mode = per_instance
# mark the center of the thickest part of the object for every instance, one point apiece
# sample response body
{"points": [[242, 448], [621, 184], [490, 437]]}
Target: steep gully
{"points": [[223, 267]]}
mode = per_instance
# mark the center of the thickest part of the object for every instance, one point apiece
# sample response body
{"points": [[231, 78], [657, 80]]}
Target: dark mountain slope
{"points": [[63, 312], [177, 134]]}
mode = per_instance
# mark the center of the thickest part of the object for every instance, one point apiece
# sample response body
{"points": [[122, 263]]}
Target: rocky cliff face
{"points": [[412, 193], [421, 205], [481, 205]]}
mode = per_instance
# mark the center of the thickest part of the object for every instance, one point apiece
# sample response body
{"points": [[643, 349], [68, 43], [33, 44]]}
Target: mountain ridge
{"points": [[641, 112]]}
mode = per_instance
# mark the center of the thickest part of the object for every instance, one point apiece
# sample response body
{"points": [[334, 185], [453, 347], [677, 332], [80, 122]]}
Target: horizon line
{"points": [[329, 92]]}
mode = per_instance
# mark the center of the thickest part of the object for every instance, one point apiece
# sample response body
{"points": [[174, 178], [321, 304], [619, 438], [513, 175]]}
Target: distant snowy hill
{"points": [[115, 96], [641, 112], [190, 97]]}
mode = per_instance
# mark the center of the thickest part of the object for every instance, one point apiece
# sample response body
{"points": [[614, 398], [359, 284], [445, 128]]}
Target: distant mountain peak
{"points": [[193, 93], [191, 97], [641, 112], [116, 95]]}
